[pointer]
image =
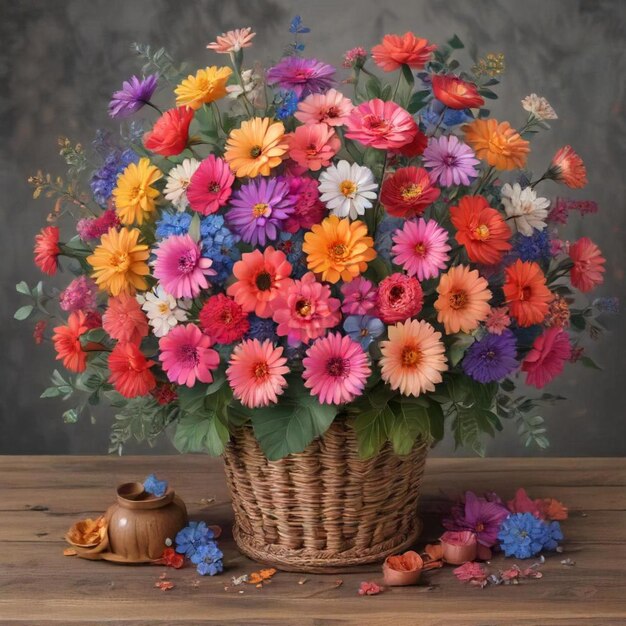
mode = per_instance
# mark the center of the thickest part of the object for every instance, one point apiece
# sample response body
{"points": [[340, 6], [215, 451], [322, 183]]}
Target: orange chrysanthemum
{"points": [[119, 262], [397, 50], [205, 86], [256, 147], [134, 195], [497, 143], [66, 340], [481, 229], [526, 292], [568, 168], [463, 300], [338, 248]]}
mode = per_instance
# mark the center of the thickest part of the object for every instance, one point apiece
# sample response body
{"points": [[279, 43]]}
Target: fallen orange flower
{"points": [[87, 532], [261, 576], [552, 509]]}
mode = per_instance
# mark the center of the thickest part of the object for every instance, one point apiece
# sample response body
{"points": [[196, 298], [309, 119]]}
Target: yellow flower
{"points": [[119, 262], [133, 195], [338, 248], [207, 86], [256, 147]]}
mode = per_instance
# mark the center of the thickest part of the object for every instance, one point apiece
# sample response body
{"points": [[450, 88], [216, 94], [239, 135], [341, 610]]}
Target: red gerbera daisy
{"points": [[47, 250], [408, 192], [456, 93], [568, 168], [223, 319], [66, 340], [130, 371]]}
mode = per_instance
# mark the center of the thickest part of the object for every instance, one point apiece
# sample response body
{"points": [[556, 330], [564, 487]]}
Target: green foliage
{"points": [[38, 300], [158, 61], [460, 343], [418, 101]]}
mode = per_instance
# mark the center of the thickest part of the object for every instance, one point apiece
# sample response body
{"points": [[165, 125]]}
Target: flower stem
{"points": [[154, 106]]}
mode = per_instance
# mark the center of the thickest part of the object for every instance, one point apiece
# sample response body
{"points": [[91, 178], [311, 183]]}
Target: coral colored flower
{"points": [[308, 208], [347, 189], [302, 76], [463, 299], [124, 320], [180, 267], [47, 250], [568, 168], [338, 249], [369, 588], [66, 340], [170, 133], [232, 41], [481, 229], [497, 143], [186, 356], [130, 371], [471, 573], [210, 185], [256, 373], [336, 369], [491, 358], [498, 320], [551, 509], [394, 51], [525, 211], [413, 358], [133, 95], [359, 296], [588, 265], [383, 125], [304, 310], [450, 161], [90, 228], [330, 108], [456, 93], [119, 262], [256, 147], [526, 293], [260, 277], [207, 85], [178, 180], [134, 194], [222, 319], [408, 192], [259, 209], [547, 357], [399, 297], [522, 503], [421, 248], [313, 146], [79, 295]]}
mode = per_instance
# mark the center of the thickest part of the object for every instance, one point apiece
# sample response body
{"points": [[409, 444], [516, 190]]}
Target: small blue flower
{"points": [[522, 535], [363, 329], [219, 244], [103, 180], [607, 305], [533, 248], [208, 559], [155, 486], [261, 329], [552, 536], [286, 104], [291, 245], [173, 224], [190, 538], [384, 232], [432, 114]]}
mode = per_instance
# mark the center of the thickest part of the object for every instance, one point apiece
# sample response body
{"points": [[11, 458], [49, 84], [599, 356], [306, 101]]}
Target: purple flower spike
{"points": [[133, 95]]}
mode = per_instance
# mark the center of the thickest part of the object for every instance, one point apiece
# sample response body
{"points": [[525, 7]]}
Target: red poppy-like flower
{"points": [[223, 319], [130, 371], [414, 148], [588, 265], [66, 340], [455, 92], [568, 168], [170, 134], [397, 50], [408, 192], [47, 250]]}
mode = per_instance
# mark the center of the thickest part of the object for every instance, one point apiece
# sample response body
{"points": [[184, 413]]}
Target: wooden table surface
{"points": [[41, 496]]}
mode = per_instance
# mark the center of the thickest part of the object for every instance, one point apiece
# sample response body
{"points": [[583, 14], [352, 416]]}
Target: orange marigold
{"points": [[497, 143]]}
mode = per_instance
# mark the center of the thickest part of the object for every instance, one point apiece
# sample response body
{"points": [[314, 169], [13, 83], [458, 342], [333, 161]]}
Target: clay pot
{"points": [[459, 547], [139, 523], [402, 569]]}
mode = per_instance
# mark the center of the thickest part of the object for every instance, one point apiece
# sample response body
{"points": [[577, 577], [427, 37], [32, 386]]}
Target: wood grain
{"points": [[41, 496]]}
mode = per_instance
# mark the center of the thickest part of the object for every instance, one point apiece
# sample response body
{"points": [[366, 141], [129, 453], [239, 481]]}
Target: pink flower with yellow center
{"points": [[313, 146], [331, 108]]}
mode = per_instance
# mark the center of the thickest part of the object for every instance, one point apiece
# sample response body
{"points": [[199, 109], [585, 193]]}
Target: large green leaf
{"points": [[410, 420], [372, 427], [201, 432]]}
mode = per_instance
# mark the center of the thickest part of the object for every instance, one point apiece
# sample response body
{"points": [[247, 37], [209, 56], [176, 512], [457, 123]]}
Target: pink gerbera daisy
{"points": [[335, 369], [210, 186], [421, 248], [180, 267], [313, 146], [359, 296], [124, 320], [256, 373], [305, 310], [330, 108], [186, 355], [547, 357]]}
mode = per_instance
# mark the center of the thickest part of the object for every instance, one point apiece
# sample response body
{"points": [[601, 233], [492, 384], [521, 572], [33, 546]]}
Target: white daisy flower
{"points": [[525, 211], [251, 83], [162, 310], [539, 107], [347, 190], [177, 182]]}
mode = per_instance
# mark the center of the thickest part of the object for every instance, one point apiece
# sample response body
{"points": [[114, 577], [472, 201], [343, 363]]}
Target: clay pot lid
{"points": [[134, 496]]}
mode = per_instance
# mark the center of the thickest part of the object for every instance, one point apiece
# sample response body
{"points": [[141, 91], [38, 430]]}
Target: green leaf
{"points": [[460, 344], [409, 421], [405, 87], [192, 399], [200, 432], [71, 416], [50, 392], [194, 227], [23, 312], [487, 93], [590, 363], [23, 288], [373, 88], [95, 335], [418, 101], [371, 428], [507, 385], [456, 43], [436, 419]]}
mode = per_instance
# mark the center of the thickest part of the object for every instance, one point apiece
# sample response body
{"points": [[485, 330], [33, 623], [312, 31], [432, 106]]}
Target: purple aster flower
{"points": [[479, 515], [537, 247], [450, 161], [132, 96], [302, 76], [492, 358], [259, 209], [363, 329]]}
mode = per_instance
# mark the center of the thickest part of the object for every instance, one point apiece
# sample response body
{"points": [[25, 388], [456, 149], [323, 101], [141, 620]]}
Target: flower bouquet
{"points": [[313, 270]]}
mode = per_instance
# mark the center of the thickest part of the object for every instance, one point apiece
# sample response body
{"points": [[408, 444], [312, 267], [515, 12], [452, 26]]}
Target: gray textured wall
{"points": [[59, 62]]}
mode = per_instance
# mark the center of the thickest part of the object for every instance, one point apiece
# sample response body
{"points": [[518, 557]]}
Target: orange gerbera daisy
{"points": [[66, 340], [134, 195], [397, 50], [338, 248], [256, 147], [463, 300], [481, 229], [526, 292], [568, 168], [119, 262], [497, 143], [206, 85]]}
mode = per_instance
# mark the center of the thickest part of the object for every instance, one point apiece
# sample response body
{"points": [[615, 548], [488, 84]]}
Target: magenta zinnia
{"points": [[210, 186]]}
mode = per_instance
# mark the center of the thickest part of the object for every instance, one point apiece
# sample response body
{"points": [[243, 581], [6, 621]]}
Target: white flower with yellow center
{"points": [[162, 310], [347, 190], [524, 210], [178, 180]]}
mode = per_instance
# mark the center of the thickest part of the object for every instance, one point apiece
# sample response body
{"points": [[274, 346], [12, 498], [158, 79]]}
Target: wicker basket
{"points": [[324, 509]]}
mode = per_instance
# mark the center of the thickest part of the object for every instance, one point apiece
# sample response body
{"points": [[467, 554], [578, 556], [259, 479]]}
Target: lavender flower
{"points": [[607, 304], [303, 76], [492, 358], [450, 161], [132, 96], [363, 329]]}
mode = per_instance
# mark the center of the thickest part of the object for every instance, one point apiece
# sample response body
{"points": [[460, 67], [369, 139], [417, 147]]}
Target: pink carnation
{"points": [[399, 297], [359, 296], [547, 357], [309, 209], [210, 186], [471, 573], [79, 295], [91, 228]]}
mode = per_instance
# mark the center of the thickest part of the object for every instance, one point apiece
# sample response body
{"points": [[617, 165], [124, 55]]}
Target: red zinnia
{"points": [[66, 341], [397, 50], [414, 148], [588, 264], [170, 134], [47, 250], [481, 229], [130, 371], [568, 168], [547, 357], [408, 192], [456, 93], [222, 319], [526, 293]]}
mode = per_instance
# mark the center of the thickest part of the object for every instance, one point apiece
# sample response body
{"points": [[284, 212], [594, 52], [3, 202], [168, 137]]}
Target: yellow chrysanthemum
{"points": [[497, 143], [338, 248], [119, 262], [208, 85], [256, 147], [134, 197]]}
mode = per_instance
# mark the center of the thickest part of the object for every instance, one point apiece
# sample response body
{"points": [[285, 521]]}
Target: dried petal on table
{"points": [[69, 552], [568, 562], [164, 585], [471, 573], [369, 589], [171, 558], [239, 580], [261, 576]]}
